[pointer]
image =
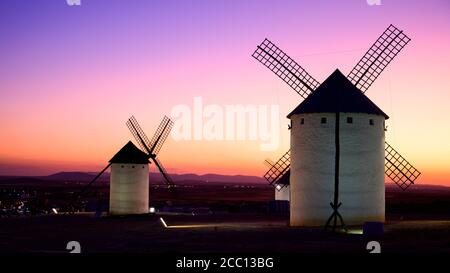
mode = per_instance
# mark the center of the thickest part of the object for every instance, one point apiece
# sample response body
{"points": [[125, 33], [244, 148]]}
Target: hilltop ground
{"points": [[231, 218]]}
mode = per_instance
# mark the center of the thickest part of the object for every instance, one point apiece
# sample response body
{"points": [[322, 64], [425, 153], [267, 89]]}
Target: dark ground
{"points": [[209, 234], [418, 221]]}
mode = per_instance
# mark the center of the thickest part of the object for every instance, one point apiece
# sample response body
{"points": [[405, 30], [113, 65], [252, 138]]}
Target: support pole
{"points": [[76, 196], [335, 216]]}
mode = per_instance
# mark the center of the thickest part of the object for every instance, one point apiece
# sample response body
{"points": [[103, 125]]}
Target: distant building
{"points": [[282, 192]]}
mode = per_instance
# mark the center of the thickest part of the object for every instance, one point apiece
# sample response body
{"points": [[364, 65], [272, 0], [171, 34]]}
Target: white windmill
{"points": [[338, 155], [129, 180]]}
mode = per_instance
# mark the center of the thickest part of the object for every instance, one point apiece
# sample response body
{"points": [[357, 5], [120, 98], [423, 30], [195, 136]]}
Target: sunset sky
{"points": [[70, 76]]}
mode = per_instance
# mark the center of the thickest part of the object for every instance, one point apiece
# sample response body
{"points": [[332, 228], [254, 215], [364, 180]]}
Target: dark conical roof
{"points": [[337, 94], [130, 154]]}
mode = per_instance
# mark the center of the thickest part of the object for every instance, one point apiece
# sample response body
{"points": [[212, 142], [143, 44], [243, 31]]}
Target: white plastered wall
{"points": [[361, 178], [282, 194], [129, 186]]}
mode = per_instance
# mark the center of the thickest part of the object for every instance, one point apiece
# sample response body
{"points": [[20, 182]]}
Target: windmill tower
{"points": [[129, 180], [337, 135], [337, 140], [128, 187]]}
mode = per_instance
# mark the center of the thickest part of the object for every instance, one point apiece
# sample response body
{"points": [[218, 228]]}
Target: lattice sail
{"points": [[283, 181], [279, 168], [286, 68], [161, 134], [379, 55], [164, 173], [398, 169], [139, 134], [269, 163]]}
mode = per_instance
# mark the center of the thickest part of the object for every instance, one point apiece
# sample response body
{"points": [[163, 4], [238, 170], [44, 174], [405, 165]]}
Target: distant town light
{"points": [[151, 210], [54, 211]]}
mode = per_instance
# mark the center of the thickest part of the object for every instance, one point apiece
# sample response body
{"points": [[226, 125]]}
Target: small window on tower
{"points": [[371, 122], [323, 120], [302, 121], [142, 167], [349, 120], [121, 166], [132, 166]]}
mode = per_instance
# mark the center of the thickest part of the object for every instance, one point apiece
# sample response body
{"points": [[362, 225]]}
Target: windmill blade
{"points": [[286, 68], [279, 168], [379, 55], [139, 134], [161, 135], [162, 170], [398, 169], [269, 163], [85, 188], [283, 181]]}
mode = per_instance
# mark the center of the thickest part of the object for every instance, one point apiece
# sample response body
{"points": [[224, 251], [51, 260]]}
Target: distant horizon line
{"points": [[229, 175], [96, 172]]}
